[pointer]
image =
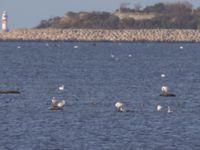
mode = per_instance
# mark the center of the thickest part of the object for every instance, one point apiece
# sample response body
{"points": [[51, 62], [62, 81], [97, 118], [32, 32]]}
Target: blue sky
{"points": [[28, 13]]}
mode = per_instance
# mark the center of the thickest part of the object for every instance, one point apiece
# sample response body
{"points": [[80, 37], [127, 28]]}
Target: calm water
{"points": [[95, 77]]}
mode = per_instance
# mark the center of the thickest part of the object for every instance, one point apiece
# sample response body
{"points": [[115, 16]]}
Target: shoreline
{"points": [[101, 35], [52, 41]]}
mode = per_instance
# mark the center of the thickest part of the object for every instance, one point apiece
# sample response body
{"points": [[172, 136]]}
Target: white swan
{"points": [[162, 75], [165, 92], [119, 106], [159, 108], [53, 101], [164, 89], [61, 88], [169, 110], [61, 104], [76, 46], [56, 105]]}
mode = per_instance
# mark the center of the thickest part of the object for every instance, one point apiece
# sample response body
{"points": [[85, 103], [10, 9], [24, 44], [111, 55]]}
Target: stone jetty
{"points": [[151, 35]]}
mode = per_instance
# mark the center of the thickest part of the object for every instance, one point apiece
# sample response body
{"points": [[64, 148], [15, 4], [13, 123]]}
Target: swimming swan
{"points": [[165, 92], [169, 110], [61, 88], [57, 105], [159, 108], [119, 106], [163, 75]]}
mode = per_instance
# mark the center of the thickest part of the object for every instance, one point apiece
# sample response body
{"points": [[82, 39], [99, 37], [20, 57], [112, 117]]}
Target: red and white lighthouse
{"points": [[4, 21]]}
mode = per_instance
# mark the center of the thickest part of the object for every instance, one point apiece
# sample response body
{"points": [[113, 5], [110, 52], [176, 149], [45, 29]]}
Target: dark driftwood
{"points": [[9, 92], [167, 94]]}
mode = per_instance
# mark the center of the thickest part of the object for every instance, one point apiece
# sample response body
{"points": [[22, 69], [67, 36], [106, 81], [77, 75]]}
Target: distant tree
{"points": [[71, 14], [43, 24], [179, 8], [127, 23], [158, 8], [171, 15], [113, 22]]}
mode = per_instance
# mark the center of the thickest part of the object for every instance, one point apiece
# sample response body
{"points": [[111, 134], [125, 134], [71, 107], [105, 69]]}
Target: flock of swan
{"points": [[164, 92], [56, 104], [59, 105]]}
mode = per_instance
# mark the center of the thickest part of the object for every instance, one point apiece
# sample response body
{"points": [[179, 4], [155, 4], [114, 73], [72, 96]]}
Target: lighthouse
{"points": [[4, 21]]}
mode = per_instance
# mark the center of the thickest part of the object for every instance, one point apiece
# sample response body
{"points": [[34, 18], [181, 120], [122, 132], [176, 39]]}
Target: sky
{"points": [[29, 13]]}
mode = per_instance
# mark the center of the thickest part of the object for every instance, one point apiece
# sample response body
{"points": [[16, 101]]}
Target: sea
{"points": [[96, 76]]}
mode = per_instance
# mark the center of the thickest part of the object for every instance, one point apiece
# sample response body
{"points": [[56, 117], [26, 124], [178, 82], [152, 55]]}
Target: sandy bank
{"points": [[154, 35]]}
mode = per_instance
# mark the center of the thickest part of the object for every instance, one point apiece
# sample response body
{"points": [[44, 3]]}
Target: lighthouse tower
{"points": [[4, 21]]}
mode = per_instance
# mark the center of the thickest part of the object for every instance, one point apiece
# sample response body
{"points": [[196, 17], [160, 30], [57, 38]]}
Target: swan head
{"points": [[53, 101]]}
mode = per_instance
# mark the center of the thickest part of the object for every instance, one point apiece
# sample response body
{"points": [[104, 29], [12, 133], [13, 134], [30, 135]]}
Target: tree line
{"points": [[180, 15]]}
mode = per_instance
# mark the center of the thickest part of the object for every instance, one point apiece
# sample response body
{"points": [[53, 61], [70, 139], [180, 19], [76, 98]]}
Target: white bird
{"points": [[76, 46], [164, 89], [18, 47], [162, 75], [53, 101], [119, 106], [181, 47], [159, 108], [56, 105], [129, 55], [61, 104], [61, 88], [165, 92], [169, 110]]}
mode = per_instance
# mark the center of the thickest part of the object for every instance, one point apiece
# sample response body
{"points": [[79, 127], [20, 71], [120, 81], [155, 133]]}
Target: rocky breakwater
{"points": [[154, 35]]}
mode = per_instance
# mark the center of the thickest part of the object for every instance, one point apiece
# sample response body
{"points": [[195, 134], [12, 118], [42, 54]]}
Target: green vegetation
{"points": [[179, 15]]}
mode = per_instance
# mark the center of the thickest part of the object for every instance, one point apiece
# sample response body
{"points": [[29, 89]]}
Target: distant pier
{"points": [[151, 35]]}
